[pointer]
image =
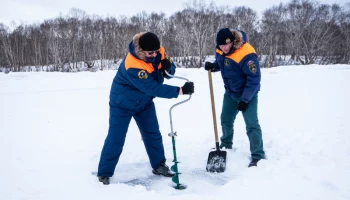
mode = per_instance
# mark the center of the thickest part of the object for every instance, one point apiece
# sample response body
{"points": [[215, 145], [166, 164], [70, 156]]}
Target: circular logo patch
{"points": [[142, 74]]}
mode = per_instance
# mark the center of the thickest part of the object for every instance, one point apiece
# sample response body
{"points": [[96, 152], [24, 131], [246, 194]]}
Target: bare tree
{"points": [[272, 34], [8, 56], [246, 18], [343, 19], [200, 20]]}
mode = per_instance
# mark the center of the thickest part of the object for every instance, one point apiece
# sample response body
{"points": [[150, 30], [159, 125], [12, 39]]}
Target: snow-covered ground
{"points": [[53, 126]]}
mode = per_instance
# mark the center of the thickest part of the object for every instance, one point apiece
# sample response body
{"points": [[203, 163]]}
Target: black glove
{"points": [[209, 66], [188, 88], [166, 64], [242, 106]]}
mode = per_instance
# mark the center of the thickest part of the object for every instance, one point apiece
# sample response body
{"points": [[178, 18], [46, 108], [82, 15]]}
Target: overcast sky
{"points": [[32, 11]]}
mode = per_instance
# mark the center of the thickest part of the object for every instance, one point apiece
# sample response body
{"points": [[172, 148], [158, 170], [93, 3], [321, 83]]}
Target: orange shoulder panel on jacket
{"points": [[162, 52], [219, 51], [240, 53], [132, 62]]}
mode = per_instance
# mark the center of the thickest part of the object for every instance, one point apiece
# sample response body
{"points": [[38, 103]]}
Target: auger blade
{"points": [[175, 179], [174, 168]]}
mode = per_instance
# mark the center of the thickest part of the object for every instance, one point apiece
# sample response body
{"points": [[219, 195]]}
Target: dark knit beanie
{"points": [[224, 36], [149, 42]]}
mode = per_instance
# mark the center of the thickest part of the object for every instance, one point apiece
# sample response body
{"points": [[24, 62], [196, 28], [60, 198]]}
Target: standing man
{"points": [[240, 70], [139, 79]]}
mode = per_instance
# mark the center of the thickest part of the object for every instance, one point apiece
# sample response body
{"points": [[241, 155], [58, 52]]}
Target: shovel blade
{"points": [[216, 161]]}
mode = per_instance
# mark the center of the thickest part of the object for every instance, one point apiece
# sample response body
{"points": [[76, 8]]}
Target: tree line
{"points": [[298, 32]]}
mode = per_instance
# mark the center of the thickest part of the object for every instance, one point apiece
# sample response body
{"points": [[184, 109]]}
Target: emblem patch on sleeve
{"points": [[252, 66], [142, 74]]}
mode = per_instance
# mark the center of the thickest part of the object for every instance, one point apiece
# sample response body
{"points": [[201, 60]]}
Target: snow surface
{"points": [[53, 126]]}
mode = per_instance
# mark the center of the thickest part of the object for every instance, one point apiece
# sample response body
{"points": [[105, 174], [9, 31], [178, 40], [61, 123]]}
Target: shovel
{"points": [[216, 159]]}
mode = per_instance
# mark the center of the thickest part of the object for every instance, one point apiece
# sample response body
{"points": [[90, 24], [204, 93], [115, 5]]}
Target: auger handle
{"points": [[178, 103]]}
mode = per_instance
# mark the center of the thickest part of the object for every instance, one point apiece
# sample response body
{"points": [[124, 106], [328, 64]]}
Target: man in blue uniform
{"points": [[139, 79], [240, 70]]}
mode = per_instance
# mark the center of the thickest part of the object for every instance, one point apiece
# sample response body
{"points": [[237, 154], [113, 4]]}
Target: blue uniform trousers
{"points": [[147, 122]]}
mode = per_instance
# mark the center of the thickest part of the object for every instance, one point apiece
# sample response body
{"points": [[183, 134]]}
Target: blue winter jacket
{"points": [[137, 82], [239, 68]]}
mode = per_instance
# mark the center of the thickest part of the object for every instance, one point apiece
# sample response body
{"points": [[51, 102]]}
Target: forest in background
{"points": [[298, 32]]}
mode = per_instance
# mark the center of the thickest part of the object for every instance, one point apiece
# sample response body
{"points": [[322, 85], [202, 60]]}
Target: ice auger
{"points": [[172, 134]]}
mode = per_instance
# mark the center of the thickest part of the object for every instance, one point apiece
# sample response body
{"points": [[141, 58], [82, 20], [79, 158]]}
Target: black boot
{"points": [[164, 170], [104, 180], [253, 163]]}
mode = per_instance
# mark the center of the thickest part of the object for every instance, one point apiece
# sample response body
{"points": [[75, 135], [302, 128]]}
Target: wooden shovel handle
{"points": [[213, 106]]}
